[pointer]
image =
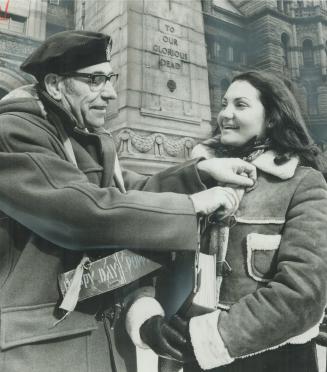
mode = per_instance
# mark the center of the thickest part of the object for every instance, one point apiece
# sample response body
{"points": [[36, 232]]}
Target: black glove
{"points": [[321, 339], [183, 327], [169, 339]]}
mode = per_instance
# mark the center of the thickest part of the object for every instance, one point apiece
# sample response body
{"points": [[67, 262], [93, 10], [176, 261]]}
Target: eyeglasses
{"points": [[96, 81]]}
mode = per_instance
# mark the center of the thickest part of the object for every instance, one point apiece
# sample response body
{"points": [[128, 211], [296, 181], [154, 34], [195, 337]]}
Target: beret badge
{"points": [[108, 52]]}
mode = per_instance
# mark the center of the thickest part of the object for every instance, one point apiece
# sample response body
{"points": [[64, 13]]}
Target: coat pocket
{"points": [[262, 256], [28, 324]]}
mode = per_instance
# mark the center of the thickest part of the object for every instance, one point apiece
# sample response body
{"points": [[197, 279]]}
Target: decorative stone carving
{"points": [[171, 84], [142, 144], [158, 144]]}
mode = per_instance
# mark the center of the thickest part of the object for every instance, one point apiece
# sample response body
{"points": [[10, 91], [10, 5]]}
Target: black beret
{"points": [[68, 51]]}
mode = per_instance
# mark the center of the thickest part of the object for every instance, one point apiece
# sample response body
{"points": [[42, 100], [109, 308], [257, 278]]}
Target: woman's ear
{"points": [[269, 125], [52, 85]]}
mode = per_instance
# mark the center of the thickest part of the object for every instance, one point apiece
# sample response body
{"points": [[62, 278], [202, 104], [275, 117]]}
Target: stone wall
{"points": [[162, 108]]}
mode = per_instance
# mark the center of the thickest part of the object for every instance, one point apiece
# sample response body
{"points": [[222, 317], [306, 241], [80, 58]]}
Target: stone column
{"points": [[230, 54], [295, 54], [322, 53], [322, 100], [163, 105], [36, 21]]}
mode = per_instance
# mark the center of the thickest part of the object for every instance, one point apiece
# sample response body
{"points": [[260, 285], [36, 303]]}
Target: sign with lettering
{"points": [[109, 273], [170, 47], [174, 67]]}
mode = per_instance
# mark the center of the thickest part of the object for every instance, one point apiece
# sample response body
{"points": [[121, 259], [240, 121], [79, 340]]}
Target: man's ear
{"points": [[52, 85]]}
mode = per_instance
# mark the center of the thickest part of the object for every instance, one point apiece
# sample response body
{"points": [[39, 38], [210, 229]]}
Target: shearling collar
{"points": [[265, 162]]}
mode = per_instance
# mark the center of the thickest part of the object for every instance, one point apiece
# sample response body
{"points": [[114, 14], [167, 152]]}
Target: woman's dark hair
{"points": [[286, 128]]}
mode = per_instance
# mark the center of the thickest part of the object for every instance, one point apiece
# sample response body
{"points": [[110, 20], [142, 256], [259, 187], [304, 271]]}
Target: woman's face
{"points": [[242, 115]]}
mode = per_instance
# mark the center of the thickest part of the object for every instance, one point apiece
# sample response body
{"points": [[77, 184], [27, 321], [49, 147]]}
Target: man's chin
{"points": [[96, 124]]}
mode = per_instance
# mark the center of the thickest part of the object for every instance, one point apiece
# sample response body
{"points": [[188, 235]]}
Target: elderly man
{"points": [[63, 197]]}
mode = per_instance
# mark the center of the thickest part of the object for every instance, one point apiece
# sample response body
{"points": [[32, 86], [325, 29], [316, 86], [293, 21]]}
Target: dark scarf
{"points": [[249, 151]]}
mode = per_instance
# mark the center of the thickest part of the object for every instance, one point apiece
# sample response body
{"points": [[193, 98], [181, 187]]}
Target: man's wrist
{"points": [[205, 175], [195, 206]]}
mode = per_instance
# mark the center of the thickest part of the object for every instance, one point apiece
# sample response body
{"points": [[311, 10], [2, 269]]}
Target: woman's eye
{"points": [[241, 105]]}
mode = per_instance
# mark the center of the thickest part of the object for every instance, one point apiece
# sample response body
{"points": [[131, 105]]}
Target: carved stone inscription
{"points": [[171, 48]]}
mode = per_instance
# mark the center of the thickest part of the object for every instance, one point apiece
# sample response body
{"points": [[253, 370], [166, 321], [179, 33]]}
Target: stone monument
{"points": [[163, 106]]}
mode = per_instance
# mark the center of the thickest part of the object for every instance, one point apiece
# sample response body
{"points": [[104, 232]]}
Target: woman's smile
{"points": [[230, 127]]}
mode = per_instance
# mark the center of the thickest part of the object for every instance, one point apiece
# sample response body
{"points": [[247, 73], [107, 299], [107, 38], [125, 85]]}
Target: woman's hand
{"points": [[231, 171]]}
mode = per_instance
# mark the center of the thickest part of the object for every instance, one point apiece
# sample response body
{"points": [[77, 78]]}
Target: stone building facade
{"points": [[288, 38], [163, 105], [176, 58], [23, 25]]}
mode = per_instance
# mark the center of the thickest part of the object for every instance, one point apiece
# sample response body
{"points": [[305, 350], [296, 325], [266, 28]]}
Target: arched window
{"points": [[213, 49], [223, 51], [279, 5], [216, 49], [285, 47], [307, 49], [230, 54]]}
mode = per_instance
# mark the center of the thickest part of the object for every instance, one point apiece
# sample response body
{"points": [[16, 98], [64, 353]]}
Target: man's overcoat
{"points": [[52, 211]]}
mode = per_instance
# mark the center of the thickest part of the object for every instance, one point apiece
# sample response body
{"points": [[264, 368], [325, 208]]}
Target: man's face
{"points": [[88, 106]]}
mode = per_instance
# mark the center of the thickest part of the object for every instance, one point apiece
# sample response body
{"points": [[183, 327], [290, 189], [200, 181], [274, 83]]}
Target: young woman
{"points": [[271, 286], [272, 299]]}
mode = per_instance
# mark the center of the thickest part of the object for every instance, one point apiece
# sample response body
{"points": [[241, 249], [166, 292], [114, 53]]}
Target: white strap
{"points": [[119, 176], [321, 354], [223, 238]]}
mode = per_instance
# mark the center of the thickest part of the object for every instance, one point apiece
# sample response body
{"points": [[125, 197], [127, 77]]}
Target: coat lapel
{"points": [[265, 163]]}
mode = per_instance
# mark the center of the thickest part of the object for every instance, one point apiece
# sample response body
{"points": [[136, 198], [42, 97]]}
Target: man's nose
{"points": [[108, 91]]}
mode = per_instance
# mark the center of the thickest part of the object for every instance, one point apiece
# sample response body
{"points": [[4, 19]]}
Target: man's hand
{"points": [[168, 339], [224, 199], [229, 171]]}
